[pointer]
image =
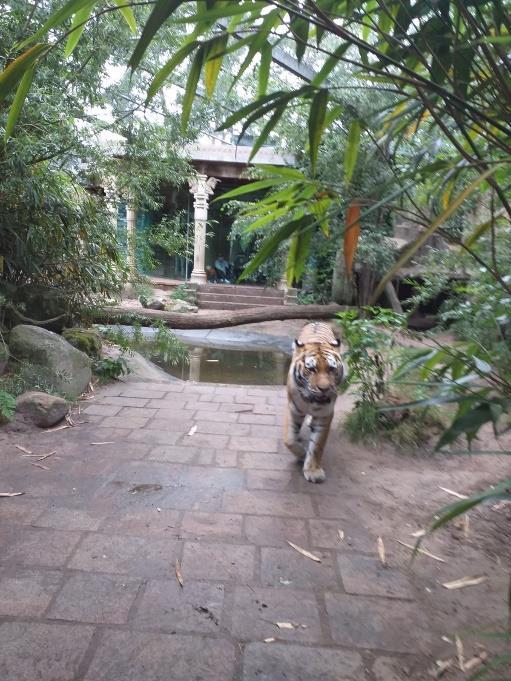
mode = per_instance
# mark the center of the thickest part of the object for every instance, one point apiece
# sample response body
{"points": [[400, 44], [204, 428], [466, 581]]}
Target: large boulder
{"points": [[86, 340], [68, 369], [44, 410]]}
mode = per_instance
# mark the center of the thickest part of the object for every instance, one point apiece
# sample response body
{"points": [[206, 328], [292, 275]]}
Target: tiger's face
{"points": [[318, 370]]}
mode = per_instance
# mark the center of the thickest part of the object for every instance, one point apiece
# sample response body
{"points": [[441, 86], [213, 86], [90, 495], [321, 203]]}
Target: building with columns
{"points": [[220, 166]]}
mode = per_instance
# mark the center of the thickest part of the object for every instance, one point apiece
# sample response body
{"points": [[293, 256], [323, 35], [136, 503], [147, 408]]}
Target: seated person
{"points": [[223, 269]]}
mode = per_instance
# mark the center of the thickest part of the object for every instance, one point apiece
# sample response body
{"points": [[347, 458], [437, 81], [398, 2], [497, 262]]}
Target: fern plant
{"points": [[7, 406]]}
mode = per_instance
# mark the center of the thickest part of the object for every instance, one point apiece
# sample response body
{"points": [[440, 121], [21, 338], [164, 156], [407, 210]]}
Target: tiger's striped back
{"points": [[317, 332]]}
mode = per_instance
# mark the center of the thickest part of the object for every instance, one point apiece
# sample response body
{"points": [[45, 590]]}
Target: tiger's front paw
{"points": [[297, 449], [314, 474]]}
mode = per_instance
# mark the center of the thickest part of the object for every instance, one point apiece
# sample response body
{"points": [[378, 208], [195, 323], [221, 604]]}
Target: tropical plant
{"points": [[7, 406], [110, 368]]}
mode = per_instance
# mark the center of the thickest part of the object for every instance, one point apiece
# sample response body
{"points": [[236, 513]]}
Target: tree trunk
{"points": [[216, 319], [343, 289], [393, 298]]}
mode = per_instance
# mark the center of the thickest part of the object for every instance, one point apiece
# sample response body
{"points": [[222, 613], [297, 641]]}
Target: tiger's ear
{"points": [[297, 344], [336, 343]]}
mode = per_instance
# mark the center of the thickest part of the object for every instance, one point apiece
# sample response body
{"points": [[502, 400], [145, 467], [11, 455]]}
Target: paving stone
{"points": [[62, 518], [255, 612], [379, 623], [325, 534], [207, 441], [226, 458], [123, 401], [93, 598], [220, 478], [218, 561], [275, 481], [125, 450], [261, 431], [37, 547], [253, 444], [21, 511], [397, 669], [174, 454], [222, 428], [205, 458], [166, 606], [137, 412], [367, 576], [144, 393], [278, 662], [269, 531], [28, 592], [227, 407], [42, 652], [203, 407], [288, 565], [102, 409], [198, 525], [225, 417], [154, 437], [137, 556], [191, 498], [338, 507], [143, 522], [268, 462], [258, 419], [166, 421], [121, 422], [149, 472], [268, 503], [151, 657]]}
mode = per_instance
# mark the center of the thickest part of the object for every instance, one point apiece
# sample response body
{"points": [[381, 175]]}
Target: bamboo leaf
{"points": [[264, 69], [299, 27], [482, 228], [77, 28], [299, 252], [161, 12], [19, 99], [263, 136], [270, 245], [127, 14], [316, 124], [351, 154], [214, 58], [351, 235], [438, 222], [250, 108], [10, 77], [58, 17], [329, 64], [249, 188], [191, 87], [165, 71]]}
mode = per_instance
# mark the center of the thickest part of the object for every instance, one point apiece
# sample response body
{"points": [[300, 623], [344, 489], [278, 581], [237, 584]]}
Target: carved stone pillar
{"points": [[201, 187], [131, 229]]}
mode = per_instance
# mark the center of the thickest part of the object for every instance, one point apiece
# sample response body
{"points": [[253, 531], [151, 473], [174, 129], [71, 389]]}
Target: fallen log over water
{"points": [[216, 319]]}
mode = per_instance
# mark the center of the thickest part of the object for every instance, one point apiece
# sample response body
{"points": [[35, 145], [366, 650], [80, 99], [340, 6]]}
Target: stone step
{"points": [[236, 289], [230, 298]]}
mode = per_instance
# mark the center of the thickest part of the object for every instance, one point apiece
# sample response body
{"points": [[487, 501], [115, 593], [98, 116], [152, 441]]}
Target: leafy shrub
{"points": [[22, 376], [7, 406], [184, 292], [110, 368]]}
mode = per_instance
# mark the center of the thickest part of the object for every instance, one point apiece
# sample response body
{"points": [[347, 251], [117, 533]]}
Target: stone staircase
{"points": [[233, 297]]}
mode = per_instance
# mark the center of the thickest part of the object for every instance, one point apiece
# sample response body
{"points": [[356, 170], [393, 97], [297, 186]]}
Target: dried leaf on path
{"points": [[423, 551], [179, 575], [270, 639], [459, 652], [441, 667], [465, 581], [475, 661], [39, 465], [103, 443], [418, 533], [45, 456], [285, 625], [11, 494], [192, 430], [305, 553], [23, 449], [453, 493], [54, 430], [381, 550]]}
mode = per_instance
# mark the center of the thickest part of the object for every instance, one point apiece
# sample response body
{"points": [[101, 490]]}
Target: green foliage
{"points": [[7, 406], [161, 344], [371, 350], [184, 292], [110, 368], [86, 340], [22, 377]]}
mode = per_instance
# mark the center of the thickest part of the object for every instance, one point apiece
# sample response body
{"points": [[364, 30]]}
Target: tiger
{"points": [[315, 373]]}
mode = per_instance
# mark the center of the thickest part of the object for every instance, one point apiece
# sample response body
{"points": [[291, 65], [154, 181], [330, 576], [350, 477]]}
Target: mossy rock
{"points": [[86, 340]]}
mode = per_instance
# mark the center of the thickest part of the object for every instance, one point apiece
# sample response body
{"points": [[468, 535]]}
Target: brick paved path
{"points": [[87, 555]]}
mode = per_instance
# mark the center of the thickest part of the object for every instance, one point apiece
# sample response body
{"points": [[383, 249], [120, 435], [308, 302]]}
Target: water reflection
{"points": [[244, 367]]}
